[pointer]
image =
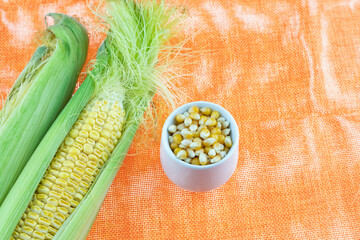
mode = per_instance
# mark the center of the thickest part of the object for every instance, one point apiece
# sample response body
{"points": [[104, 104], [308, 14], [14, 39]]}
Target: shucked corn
{"points": [[72, 170], [200, 136]]}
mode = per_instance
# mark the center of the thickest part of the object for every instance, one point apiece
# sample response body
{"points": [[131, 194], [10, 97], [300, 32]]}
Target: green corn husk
{"points": [[38, 95], [128, 61]]}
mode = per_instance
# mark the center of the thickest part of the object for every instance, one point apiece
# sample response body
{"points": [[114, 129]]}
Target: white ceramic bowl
{"points": [[197, 178]]}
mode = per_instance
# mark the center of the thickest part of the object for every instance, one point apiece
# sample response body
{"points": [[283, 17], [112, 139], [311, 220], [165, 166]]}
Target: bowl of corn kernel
{"points": [[199, 146]]}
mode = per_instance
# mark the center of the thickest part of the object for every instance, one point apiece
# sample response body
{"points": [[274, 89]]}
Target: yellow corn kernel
{"points": [[207, 149], [181, 154], [215, 136], [194, 109], [194, 116], [187, 121], [206, 111], [215, 159], [212, 153], [228, 142], [177, 150], [195, 145], [209, 141], [211, 122], [187, 134], [180, 118], [215, 114], [202, 159], [221, 139], [218, 147], [203, 119], [215, 130], [177, 138], [196, 134], [173, 145], [195, 161], [204, 133]]}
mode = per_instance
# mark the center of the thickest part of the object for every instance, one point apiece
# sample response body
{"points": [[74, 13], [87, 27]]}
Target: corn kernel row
{"points": [[200, 136]]}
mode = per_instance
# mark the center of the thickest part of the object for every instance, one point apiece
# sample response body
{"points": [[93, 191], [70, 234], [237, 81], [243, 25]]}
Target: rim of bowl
{"points": [[170, 119]]}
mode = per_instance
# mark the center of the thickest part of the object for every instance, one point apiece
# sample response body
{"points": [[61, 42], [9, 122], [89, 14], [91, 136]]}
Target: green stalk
{"points": [[38, 95]]}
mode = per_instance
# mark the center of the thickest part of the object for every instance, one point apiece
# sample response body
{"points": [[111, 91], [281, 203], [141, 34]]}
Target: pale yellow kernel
{"points": [[63, 175], [24, 236], [75, 177], [187, 134], [56, 223], [52, 201], [72, 157], [177, 150], [41, 197], [57, 188], [47, 183], [53, 172], [195, 161], [206, 111], [50, 177], [104, 156], [215, 136], [78, 145], [84, 185], [211, 122], [44, 221], [91, 164], [97, 153], [181, 154], [81, 140], [215, 159], [195, 145], [62, 210], [74, 150], [212, 153], [197, 152], [103, 141], [207, 149], [215, 114], [202, 159], [90, 121], [216, 130], [72, 183], [63, 203], [110, 120], [47, 214], [173, 146], [203, 119], [100, 122], [68, 141], [208, 142], [93, 158], [77, 125], [226, 131], [187, 121], [194, 109], [194, 116], [221, 138], [204, 133], [228, 142], [102, 115], [68, 164], [180, 118], [30, 223], [96, 109], [97, 128], [177, 138], [73, 133], [88, 149], [42, 228], [93, 115], [54, 194], [108, 126], [190, 153], [33, 215], [59, 216], [44, 190], [105, 134], [82, 190], [113, 135], [56, 165], [66, 170], [218, 147]]}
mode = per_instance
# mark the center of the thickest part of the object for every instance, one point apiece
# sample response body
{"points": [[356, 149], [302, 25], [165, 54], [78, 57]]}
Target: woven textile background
{"points": [[289, 72]]}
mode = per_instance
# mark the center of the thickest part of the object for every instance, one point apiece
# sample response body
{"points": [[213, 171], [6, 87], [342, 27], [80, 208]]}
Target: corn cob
{"points": [[39, 94], [125, 73]]}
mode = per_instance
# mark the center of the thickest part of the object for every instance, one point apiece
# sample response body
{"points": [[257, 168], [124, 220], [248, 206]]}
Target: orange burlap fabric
{"points": [[289, 72]]}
